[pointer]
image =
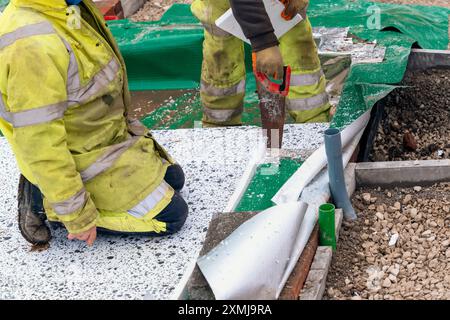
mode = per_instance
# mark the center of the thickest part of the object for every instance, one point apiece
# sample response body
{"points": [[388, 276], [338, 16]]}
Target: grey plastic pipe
{"points": [[333, 148], [293, 188]]}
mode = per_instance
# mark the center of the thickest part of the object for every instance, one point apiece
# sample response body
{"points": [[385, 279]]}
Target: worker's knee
{"points": [[175, 177], [223, 61], [174, 215]]}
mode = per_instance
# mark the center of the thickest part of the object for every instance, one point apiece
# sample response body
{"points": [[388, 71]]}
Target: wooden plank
{"points": [[315, 284], [295, 283], [302, 271]]}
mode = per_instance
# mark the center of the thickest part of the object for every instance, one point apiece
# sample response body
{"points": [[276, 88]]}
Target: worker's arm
{"points": [[37, 98], [255, 22]]}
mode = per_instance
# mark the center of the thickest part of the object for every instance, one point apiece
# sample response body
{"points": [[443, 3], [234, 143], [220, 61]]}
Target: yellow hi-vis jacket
{"points": [[63, 102]]}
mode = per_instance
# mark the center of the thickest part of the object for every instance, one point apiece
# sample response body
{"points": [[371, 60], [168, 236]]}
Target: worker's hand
{"points": [[270, 62], [88, 236], [293, 7]]}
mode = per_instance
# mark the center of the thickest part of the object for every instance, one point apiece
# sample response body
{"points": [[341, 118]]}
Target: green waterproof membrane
{"points": [[266, 182], [3, 4], [167, 54]]}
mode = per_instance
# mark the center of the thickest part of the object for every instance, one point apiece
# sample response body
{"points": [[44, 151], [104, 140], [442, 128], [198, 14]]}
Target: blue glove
{"points": [[73, 2]]}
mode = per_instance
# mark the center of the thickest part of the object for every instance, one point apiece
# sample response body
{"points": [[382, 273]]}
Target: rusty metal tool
{"points": [[272, 104]]}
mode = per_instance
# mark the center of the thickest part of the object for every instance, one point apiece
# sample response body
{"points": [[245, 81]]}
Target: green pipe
{"points": [[327, 225]]}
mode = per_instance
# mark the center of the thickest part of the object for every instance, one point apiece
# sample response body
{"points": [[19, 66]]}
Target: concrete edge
{"points": [[246, 178], [425, 59], [402, 173], [350, 178]]}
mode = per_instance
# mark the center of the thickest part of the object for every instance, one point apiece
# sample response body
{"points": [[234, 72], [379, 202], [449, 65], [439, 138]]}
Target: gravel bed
{"points": [[398, 248], [416, 120]]}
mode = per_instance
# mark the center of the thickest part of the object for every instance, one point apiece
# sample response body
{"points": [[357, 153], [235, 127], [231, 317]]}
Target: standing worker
{"points": [[223, 71], [63, 102]]}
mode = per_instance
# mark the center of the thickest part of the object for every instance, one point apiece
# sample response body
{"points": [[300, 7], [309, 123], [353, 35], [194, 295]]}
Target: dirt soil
{"points": [[367, 266], [416, 120], [145, 102], [153, 10]]}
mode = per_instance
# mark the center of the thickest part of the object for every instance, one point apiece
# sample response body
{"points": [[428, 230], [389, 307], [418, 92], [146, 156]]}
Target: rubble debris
{"points": [[409, 141], [153, 10]]}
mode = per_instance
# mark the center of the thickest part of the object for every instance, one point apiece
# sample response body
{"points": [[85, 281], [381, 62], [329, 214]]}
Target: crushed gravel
{"points": [[416, 120], [397, 249]]}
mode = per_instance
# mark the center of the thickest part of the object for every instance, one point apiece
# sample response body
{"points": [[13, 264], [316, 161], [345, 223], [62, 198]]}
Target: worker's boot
{"points": [[32, 216]]}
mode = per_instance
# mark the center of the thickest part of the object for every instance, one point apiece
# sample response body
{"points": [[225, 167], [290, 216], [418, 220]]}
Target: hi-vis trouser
{"points": [[223, 72]]}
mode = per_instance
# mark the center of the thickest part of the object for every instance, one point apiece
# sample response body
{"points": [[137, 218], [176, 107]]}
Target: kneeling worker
{"points": [[63, 101]]}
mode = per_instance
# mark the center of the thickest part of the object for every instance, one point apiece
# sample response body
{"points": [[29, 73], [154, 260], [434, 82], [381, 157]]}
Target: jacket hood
{"points": [[42, 4]]}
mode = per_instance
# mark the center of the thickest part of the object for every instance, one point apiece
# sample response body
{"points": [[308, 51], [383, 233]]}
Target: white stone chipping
{"points": [[131, 267]]}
